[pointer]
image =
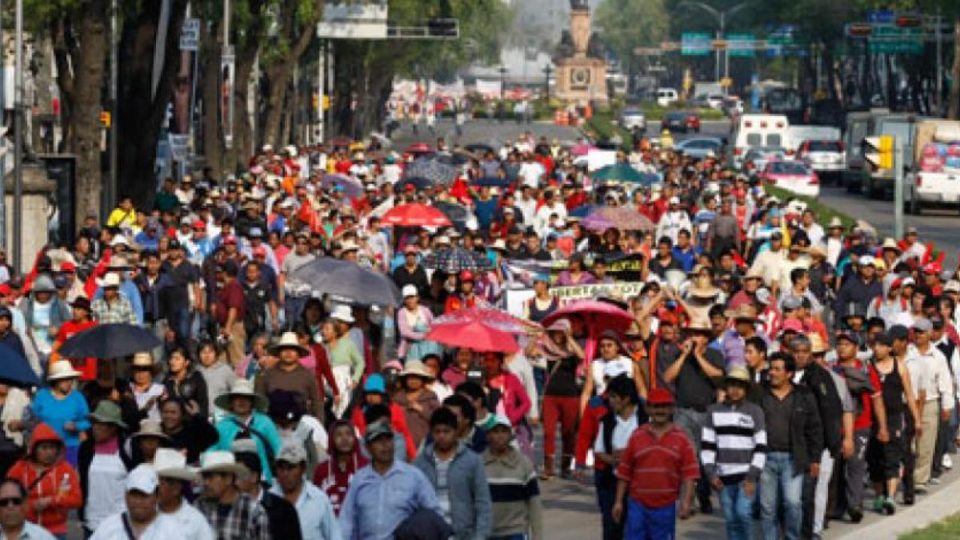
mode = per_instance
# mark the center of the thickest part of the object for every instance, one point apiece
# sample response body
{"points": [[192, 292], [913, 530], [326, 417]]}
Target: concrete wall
{"points": [[37, 190]]}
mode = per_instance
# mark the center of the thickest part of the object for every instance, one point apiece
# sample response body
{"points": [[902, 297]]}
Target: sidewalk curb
{"points": [[935, 506]]}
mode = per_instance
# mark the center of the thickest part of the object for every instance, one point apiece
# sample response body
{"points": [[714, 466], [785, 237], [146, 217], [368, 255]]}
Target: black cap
{"points": [[885, 339], [936, 321]]}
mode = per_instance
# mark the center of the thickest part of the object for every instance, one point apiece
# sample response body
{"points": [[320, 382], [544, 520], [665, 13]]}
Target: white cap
{"points": [[410, 290], [674, 200], [866, 260], [143, 478]]}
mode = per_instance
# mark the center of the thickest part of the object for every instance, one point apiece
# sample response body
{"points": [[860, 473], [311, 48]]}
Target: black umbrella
{"points": [[115, 340], [349, 282], [418, 182], [15, 370], [434, 169], [492, 181], [458, 214]]}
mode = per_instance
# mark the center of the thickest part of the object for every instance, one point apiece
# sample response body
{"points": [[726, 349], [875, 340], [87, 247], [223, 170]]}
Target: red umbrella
{"points": [[418, 148], [599, 316], [474, 335], [416, 215]]}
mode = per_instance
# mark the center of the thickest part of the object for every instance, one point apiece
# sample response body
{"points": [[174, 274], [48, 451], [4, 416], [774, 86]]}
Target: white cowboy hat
{"points": [[343, 313], [142, 359], [289, 341], [62, 369], [241, 388], [170, 463], [220, 461], [418, 368], [112, 279]]}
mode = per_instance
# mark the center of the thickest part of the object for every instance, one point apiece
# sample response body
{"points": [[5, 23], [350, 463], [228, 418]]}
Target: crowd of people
{"points": [[771, 363]]}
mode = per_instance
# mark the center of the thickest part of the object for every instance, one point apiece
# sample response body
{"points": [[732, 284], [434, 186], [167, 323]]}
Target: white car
{"points": [[631, 118], [925, 189], [793, 176], [667, 96], [715, 101], [827, 157]]}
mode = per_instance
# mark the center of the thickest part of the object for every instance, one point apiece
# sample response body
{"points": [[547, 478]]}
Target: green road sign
{"points": [[695, 44], [742, 45], [888, 38]]}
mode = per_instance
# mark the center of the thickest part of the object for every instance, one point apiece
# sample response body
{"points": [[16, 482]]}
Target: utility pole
{"points": [[321, 91], [228, 76], [939, 86], [18, 140], [111, 191], [3, 156], [898, 163]]}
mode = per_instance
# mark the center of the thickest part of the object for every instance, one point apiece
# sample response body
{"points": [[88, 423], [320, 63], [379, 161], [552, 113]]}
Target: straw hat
{"points": [[169, 463], [142, 360], [241, 388], [890, 243], [817, 252], [151, 428], [288, 341], [418, 368], [220, 461], [738, 374], [62, 369], [835, 223], [699, 324], [744, 312]]}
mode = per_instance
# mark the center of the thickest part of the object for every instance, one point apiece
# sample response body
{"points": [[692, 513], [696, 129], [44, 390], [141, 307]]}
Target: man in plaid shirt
{"points": [[234, 515], [113, 307]]}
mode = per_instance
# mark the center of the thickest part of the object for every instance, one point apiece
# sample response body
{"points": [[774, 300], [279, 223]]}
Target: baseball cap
{"points": [[849, 336], [922, 325], [792, 302], [866, 260], [659, 396], [377, 430], [143, 479], [501, 420], [898, 331], [292, 452]]}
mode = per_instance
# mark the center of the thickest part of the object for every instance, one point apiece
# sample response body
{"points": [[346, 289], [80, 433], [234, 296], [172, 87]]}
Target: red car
{"points": [[682, 121]]}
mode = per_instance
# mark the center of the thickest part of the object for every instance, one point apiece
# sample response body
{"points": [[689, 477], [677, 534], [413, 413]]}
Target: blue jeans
{"points": [[780, 487], [650, 523], [737, 511]]}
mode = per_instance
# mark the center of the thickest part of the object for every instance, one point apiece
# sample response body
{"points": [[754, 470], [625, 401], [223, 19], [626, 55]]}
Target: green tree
{"points": [[627, 24]]}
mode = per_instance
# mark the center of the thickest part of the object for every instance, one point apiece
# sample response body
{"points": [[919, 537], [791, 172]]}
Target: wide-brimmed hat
{"points": [[142, 360], [835, 223], [418, 368], [343, 313], [241, 388], [738, 374], [62, 369], [817, 251], [498, 245], [220, 461], [744, 312], [754, 273], [169, 463], [699, 324], [108, 412], [289, 341], [112, 279], [151, 428], [891, 244]]}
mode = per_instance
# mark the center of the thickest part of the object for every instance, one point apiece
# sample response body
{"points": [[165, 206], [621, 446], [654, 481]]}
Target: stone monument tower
{"points": [[581, 78]]}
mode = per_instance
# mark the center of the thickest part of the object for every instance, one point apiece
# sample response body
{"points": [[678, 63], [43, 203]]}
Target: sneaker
{"points": [[889, 506], [878, 504], [947, 462], [856, 515], [934, 481]]}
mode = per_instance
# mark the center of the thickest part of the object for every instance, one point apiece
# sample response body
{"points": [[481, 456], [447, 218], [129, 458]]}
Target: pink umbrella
{"points": [[494, 318], [598, 316], [581, 149], [473, 335]]}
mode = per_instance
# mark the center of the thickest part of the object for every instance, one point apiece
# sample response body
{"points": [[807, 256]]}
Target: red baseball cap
{"points": [[200, 224], [68, 266], [229, 239], [260, 251], [659, 396]]}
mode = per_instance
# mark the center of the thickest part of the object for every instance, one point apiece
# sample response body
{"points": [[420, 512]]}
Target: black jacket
{"points": [[818, 380], [282, 516], [806, 431]]}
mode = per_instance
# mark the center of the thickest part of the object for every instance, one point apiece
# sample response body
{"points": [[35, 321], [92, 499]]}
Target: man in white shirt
{"points": [[531, 171], [13, 514], [175, 478], [141, 519], [317, 520], [551, 205], [673, 221], [935, 381]]}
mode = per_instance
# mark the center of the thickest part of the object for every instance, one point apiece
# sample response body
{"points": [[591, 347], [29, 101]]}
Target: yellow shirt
{"points": [[122, 218]]}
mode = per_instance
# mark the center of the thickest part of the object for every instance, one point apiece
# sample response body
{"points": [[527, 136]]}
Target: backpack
{"points": [[255, 304]]}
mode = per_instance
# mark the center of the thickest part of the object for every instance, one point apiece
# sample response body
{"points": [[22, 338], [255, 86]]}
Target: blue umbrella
{"points": [[433, 169], [15, 370], [114, 340]]}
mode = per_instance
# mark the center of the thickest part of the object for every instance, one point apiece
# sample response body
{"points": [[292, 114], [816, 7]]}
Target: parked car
{"points": [[682, 121], [715, 101], [826, 157], [667, 96], [756, 158], [700, 147], [793, 176], [632, 117]]}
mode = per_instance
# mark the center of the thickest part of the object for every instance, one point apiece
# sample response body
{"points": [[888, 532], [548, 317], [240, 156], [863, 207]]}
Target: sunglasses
{"points": [[11, 501]]}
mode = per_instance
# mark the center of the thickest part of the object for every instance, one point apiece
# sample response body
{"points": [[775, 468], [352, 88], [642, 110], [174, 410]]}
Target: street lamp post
{"points": [[503, 81], [547, 70], [721, 17]]}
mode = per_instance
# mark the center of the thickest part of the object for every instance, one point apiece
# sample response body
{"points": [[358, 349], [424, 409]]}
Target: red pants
{"points": [[564, 410]]}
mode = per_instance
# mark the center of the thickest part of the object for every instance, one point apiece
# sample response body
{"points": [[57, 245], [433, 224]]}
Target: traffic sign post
{"points": [[898, 163], [880, 151]]}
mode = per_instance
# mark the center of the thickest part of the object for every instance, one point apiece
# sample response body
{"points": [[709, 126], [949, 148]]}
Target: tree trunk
{"points": [[242, 130], [278, 75], [955, 86], [141, 112], [213, 147], [88, 58]]}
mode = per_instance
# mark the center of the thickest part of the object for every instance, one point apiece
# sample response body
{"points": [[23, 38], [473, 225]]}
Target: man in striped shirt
{"points": [[733, 452]]}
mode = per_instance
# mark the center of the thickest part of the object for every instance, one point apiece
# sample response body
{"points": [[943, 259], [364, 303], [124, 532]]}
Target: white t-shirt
{"points": [[162, 528], [190, 523], [621, 434], [107, 478], [596, 371]]}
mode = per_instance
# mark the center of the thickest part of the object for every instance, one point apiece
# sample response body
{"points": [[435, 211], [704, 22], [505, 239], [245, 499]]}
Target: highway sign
{"points": [[695, 44], [742, 45]]}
